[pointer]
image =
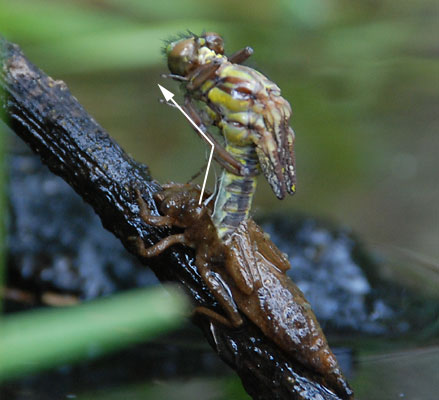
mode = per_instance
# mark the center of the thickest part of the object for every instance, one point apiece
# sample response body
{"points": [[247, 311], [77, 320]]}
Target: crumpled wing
{"points": [[275, 148]]}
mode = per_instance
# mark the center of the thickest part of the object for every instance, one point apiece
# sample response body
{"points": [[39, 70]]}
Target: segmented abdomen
{"points": [[235, 195]]}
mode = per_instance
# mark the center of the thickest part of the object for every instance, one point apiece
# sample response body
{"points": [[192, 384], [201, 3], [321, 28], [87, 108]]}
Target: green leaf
{"points": [[110, 49], [39, 339]]}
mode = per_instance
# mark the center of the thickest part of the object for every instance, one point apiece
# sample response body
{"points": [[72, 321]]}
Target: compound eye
{"points": [[181, 56], [214, 42]]}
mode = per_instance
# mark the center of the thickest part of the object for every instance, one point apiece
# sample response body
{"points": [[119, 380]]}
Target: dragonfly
{"points": [[250, 114]]}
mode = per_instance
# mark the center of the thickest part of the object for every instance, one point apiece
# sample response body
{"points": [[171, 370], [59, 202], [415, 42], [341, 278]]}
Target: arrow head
{"points": [[166, 93]]}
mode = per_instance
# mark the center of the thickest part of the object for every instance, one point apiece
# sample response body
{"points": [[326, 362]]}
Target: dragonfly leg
{"points": [[222, 156], [175, 76], [201, 75], [241, 55], [163, 101], [198, 173]]}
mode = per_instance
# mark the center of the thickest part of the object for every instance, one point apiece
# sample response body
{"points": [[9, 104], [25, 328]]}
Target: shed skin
{"points": [[246, 274]]}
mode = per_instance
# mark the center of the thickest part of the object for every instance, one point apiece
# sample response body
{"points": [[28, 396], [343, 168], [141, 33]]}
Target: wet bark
{"points": [[43, 112]]}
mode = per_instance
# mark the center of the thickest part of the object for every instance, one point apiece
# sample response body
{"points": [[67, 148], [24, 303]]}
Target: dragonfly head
{"points": [[214, 42], [186, 54]]}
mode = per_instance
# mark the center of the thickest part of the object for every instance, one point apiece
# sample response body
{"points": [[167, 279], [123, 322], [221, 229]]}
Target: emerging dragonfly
{"points": [[249, 112], [246, 273]]}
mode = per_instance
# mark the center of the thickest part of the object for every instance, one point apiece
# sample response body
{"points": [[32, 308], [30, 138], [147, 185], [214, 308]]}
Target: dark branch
{"points": [[46, 116]]}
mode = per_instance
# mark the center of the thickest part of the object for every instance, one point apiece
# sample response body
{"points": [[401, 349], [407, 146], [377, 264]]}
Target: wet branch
{"points": [[43, 112]]}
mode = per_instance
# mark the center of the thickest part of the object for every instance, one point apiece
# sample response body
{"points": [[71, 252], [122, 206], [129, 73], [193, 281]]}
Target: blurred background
{"points": [[362, 79]]}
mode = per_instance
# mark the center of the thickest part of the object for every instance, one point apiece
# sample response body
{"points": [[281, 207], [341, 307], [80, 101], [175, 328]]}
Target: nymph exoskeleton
{"points": [[251, 115], [246, 274]]}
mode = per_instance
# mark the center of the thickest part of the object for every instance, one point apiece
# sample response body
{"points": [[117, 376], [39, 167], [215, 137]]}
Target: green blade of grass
{"points": [[37, 21], [74, 38], [110, 49], [40, 339]]}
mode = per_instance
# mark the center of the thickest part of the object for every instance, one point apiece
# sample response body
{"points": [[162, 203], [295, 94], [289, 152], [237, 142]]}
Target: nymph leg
{"points": [[213, 315], [160, 246], [221, 292], [145, 214]]}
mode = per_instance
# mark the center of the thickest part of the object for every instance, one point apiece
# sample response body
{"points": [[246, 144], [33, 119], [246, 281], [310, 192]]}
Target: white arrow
{"points": [[170, 96]]}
